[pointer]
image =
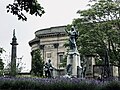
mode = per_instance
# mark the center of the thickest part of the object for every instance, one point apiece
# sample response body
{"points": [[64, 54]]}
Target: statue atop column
{"points": [[13, 54], [73, 35], [73, 67]]}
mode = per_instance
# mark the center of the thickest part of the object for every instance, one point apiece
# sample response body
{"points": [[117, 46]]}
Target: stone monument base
{"points": [[73, 64]]}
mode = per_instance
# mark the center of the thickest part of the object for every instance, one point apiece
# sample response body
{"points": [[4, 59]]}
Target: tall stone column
{"points": [[73, 58], [13, 55]]}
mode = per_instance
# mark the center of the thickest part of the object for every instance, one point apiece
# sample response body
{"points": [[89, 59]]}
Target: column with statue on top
{"points": [[13, 55], [73, 58]]}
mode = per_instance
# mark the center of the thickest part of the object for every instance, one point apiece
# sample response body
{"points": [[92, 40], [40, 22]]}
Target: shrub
{"points": [[112, 85], [56, 84]]}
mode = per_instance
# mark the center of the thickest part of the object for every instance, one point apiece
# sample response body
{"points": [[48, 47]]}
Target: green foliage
{"points": [[1, 50], [64, 62], [1, 64], [99, 29], [29, 6], [1, 67], [56, 84], [111, 86], [19, 67], [37, 63]]}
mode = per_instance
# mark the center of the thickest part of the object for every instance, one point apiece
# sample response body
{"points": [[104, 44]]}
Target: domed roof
{"points": [[48, 32]]}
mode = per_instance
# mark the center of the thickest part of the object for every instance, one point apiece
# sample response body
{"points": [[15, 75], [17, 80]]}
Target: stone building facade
{"points": [[51, 43]]}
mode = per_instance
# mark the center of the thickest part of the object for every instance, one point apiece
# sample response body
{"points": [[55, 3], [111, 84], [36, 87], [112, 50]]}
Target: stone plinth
{"points": [[73, 64]]}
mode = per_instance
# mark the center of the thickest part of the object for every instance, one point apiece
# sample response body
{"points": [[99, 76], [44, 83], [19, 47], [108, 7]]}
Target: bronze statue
{"points": [[48, 69], [73, 35]]}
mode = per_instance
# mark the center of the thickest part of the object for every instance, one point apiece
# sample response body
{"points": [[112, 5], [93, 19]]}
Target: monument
{"points": [[13, 55], [73, 58], [48, 69]]}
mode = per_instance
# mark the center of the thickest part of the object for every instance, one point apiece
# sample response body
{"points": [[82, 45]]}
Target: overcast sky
{"points": [[58, 12]]}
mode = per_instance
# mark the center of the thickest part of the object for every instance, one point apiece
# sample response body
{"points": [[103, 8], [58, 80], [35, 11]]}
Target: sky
{"points": [[57, 13]]}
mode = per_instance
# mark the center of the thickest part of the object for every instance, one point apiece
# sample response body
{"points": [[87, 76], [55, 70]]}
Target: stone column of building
{"points": [[13, 55]]}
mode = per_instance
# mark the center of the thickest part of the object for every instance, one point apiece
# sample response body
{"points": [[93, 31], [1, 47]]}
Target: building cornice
{"points": [[52, 31], [48, 32], [35, 40]]}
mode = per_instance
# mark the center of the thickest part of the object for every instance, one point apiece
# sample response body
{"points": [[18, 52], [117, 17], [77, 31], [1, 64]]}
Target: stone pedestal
{"points": [[73, 64], [89, 65]]}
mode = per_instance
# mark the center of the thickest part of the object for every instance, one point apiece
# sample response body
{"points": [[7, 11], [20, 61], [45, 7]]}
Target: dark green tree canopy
{"points": [[18, 7], [37, 63], [99, 29], [1, 64]]}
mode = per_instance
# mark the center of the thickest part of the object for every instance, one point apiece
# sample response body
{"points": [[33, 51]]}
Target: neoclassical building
{"points": [[51, 43]]}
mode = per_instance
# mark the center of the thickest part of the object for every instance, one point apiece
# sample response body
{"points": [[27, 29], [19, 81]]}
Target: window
{"points": [[61, 58], [49, 55]]}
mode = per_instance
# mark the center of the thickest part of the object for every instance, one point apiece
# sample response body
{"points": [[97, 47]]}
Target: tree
{"points": [[1, 67], [1, 50], [29, 6], [19, 66], [99, 28], [37, 63], [1, 62]]}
